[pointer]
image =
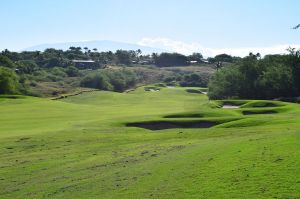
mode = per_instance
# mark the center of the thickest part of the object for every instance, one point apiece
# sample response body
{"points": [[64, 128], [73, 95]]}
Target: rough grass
{"points": [[80, 147]]}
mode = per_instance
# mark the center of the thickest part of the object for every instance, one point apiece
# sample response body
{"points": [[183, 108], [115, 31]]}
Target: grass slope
{"points": [[80, 147]]}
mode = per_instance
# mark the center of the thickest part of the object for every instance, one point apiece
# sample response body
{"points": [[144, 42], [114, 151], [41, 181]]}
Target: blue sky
{"points": [[180, 25]]}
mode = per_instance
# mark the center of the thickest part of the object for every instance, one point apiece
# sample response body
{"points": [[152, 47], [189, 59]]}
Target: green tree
{"points": [[196, 57], [251, 70], [27, 66], [124, 57], [225, 83], [224, 58], [277, 79], [6, 62], [8, 81], [171, 59]]}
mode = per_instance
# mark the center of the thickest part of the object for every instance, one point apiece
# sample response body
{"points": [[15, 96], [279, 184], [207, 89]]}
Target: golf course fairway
{"points": [[166, 143]]}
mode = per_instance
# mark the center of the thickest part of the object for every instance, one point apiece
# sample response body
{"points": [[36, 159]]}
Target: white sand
{"points": [[230, 106]]}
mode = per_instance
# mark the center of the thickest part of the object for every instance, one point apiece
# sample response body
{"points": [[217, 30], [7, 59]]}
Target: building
{"points": [[193, 62], [205, 61], [85, 64]]}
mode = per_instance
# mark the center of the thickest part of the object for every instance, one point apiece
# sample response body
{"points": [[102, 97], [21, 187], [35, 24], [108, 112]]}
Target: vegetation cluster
{"points": [[253, 77]]}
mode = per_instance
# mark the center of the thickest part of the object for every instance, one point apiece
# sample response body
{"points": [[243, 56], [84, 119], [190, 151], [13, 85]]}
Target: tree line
{"points": [[253, 77], [50, 58], [19, 71]]}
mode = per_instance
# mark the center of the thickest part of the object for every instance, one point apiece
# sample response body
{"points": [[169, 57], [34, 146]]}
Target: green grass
{"points": [[80, 147]]}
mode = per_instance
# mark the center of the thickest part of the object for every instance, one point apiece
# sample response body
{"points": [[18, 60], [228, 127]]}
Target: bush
{"points": [[27, 66], [72, 71], [119, 80], [6, 62], [96, 80], [33, 84], [53, 78], [58, 71], [195, 80], [8, 81], [40, 75]]}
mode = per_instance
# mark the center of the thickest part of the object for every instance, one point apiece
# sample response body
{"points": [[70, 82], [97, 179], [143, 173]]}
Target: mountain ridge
{"points": [[101, 45]]}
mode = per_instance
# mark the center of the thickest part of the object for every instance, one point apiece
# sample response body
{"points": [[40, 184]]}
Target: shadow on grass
{"points": [[259, 112]]}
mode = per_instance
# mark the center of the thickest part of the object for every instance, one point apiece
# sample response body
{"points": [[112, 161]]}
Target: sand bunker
{"points": [[258, 112], [160, 125], [194, 115], [152, 89], [194, 91], [230, 105]]}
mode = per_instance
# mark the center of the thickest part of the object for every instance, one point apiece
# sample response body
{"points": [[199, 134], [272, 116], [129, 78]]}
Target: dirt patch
{"points": [[160, 125], [258, 112]]}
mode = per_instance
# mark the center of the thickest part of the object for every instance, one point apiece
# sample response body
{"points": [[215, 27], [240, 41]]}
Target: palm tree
{"points": [[258, 55], [296, 27], [219, 65]]}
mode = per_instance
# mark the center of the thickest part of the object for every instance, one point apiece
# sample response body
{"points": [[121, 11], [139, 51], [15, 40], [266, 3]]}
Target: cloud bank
{"points": [[189, 48]]}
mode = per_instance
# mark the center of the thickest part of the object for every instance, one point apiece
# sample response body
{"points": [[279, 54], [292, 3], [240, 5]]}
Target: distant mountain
{"points": [[103, 45]]}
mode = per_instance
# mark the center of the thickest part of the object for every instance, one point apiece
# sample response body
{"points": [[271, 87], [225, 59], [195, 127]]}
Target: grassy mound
{"points": [[262, 104], [231, 102], [246, 122]]}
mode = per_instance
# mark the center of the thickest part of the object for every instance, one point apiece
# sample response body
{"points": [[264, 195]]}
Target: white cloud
{"points": [[171, 45], [189, 48]]}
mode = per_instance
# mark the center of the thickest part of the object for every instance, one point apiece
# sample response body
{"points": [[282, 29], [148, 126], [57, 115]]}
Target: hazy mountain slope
{"points": [[104, 45]]}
